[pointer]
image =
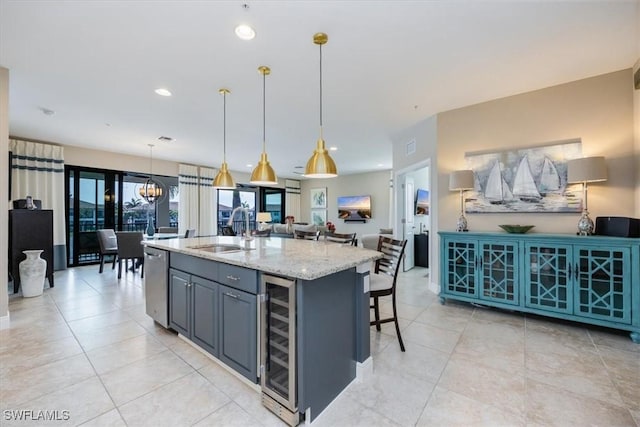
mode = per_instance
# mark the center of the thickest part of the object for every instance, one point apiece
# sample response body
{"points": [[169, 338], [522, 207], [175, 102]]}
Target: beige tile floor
{"points": [[87, 347]]}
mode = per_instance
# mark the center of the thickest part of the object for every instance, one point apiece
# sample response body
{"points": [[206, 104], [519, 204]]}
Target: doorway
{"points": [[414, 213]]}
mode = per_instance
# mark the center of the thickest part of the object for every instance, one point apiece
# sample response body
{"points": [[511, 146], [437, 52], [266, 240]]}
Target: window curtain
{"points": [[37, 170], [188, 187], [292, 198], [207, 220]]}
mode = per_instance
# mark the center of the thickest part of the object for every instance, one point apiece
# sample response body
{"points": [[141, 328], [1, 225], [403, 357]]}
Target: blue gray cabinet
{"points": [[215, 306], [238, 331], [592, 279], [180, 302], [193, 309]]}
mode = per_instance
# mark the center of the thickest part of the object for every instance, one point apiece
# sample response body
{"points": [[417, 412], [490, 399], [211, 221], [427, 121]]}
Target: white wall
{"points": [[4, 196], [425, 135], [375, 184]]}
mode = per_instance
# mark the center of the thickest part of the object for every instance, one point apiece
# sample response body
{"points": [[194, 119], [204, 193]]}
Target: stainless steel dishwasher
{"points": [[156, 289]]}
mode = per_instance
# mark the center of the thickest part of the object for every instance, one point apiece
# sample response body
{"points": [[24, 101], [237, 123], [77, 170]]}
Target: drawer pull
{"points": [[229, 294], [230, 277]]}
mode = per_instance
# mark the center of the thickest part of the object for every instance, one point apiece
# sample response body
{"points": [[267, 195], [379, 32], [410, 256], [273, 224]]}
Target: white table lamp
{"points": [[587, 169], [263, 218], [461, 180]]}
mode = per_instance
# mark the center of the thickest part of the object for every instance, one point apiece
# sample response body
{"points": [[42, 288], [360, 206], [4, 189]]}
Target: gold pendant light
{"points": [[263, 174], [320, 165], [224, 179]]}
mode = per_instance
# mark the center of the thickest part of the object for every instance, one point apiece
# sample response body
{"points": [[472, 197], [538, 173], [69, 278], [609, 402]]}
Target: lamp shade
{"points": [[461, 180], [223, 179], [587, 169], [264, 217]]}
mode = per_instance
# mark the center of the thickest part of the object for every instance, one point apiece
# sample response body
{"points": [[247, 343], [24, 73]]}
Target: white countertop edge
{"points": [[299, 259]]}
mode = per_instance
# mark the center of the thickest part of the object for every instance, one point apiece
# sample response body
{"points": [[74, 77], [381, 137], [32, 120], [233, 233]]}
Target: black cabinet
{"points": [[421, 249], [29, 230]]}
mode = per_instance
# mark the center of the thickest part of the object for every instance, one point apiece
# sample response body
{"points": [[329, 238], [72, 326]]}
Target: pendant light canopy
{"points": [[151, 191], [320, 165], [263, 174], [224, 179]]}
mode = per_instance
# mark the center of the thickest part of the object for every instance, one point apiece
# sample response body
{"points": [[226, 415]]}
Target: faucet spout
{"points": [[247, 235]]}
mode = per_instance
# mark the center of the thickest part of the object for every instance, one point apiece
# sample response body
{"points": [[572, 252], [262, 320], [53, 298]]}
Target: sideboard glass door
{"points": [[549, 271]]}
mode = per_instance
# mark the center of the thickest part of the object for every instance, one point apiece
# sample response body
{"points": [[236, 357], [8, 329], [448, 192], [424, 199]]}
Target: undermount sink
{"points": [[219, 248]]}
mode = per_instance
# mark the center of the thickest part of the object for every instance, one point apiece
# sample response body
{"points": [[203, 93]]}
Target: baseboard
{"points": [[5, 322], [434, 287], [364, 369]]}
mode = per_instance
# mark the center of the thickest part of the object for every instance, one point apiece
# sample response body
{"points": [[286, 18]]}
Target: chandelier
{"points": [[151, 191]]}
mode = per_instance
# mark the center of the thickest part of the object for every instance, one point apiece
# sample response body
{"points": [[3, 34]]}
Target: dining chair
{"points": [[190, 233], [130, 248], [261, 233], [349, 238], [227, 230], [383, 281], [306, 235], [108, 246]]}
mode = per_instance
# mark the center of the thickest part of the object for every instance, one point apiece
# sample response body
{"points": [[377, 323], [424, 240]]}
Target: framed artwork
{"points": [[319, 217], [318, 198], [532, 179]]}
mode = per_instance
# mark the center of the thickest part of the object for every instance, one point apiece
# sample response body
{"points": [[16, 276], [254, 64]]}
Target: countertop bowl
{"points": [[516, 228]]}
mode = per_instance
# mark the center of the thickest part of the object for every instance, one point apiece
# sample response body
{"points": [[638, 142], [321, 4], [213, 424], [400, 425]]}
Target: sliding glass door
{"points": [[92, 200]]}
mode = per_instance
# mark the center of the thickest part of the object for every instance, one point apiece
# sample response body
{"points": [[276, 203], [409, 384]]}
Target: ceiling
{"points": [[387, 66]]}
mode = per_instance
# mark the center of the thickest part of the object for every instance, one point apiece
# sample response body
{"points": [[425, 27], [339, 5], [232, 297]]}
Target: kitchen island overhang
{"points": [[332, 304]]}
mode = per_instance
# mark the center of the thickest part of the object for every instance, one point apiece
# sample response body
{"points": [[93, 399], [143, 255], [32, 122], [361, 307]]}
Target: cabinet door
{"points": [[548, 275], [204, 330], [499, 272], [603, 283], [460, 267], [179, 301], [238, 331]]}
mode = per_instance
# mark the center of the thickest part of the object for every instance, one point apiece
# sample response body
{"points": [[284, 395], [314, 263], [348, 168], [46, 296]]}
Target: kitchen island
{"points": [[292, 315]]}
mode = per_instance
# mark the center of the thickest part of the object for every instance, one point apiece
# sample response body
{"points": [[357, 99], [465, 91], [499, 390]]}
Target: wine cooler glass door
{"points": [[278, 377]]}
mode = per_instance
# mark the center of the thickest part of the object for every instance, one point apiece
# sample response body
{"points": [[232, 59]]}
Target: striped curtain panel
{"points": [[292, 198], [188, 188], [208, 203], [37, 170]]}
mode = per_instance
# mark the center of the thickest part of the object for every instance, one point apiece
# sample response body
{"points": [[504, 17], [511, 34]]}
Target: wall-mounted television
{"points": [[422, 202], [354, 208]]}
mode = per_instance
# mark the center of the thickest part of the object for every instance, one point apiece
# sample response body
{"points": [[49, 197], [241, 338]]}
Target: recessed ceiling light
{"points": [[333, 148], [380, 165], [47, 112], [165, 138], [249, 165], [163, 92], [245, 32]]}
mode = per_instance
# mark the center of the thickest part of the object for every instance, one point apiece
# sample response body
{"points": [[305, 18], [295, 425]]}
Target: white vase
{"points": [[32, 272]]}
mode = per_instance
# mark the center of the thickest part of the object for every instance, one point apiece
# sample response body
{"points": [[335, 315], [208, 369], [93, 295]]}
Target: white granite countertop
{"points": [[299, 259]]}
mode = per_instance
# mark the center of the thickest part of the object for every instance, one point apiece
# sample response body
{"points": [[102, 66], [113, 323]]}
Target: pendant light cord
{"points": [[224, 126], [320, 91], [264, 109]]}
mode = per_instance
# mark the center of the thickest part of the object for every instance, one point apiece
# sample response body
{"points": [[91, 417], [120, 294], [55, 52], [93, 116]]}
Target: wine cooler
{"points": [[278, 347]]}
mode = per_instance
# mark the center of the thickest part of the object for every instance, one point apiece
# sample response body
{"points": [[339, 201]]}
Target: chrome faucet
{"points": [[247, 232]]}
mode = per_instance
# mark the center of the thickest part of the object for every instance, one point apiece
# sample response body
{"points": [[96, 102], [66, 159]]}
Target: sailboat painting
{"points": [[531, 179]]}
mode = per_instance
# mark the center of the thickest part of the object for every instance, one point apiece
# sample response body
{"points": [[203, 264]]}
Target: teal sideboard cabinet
{"points": [[589, 279]]}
